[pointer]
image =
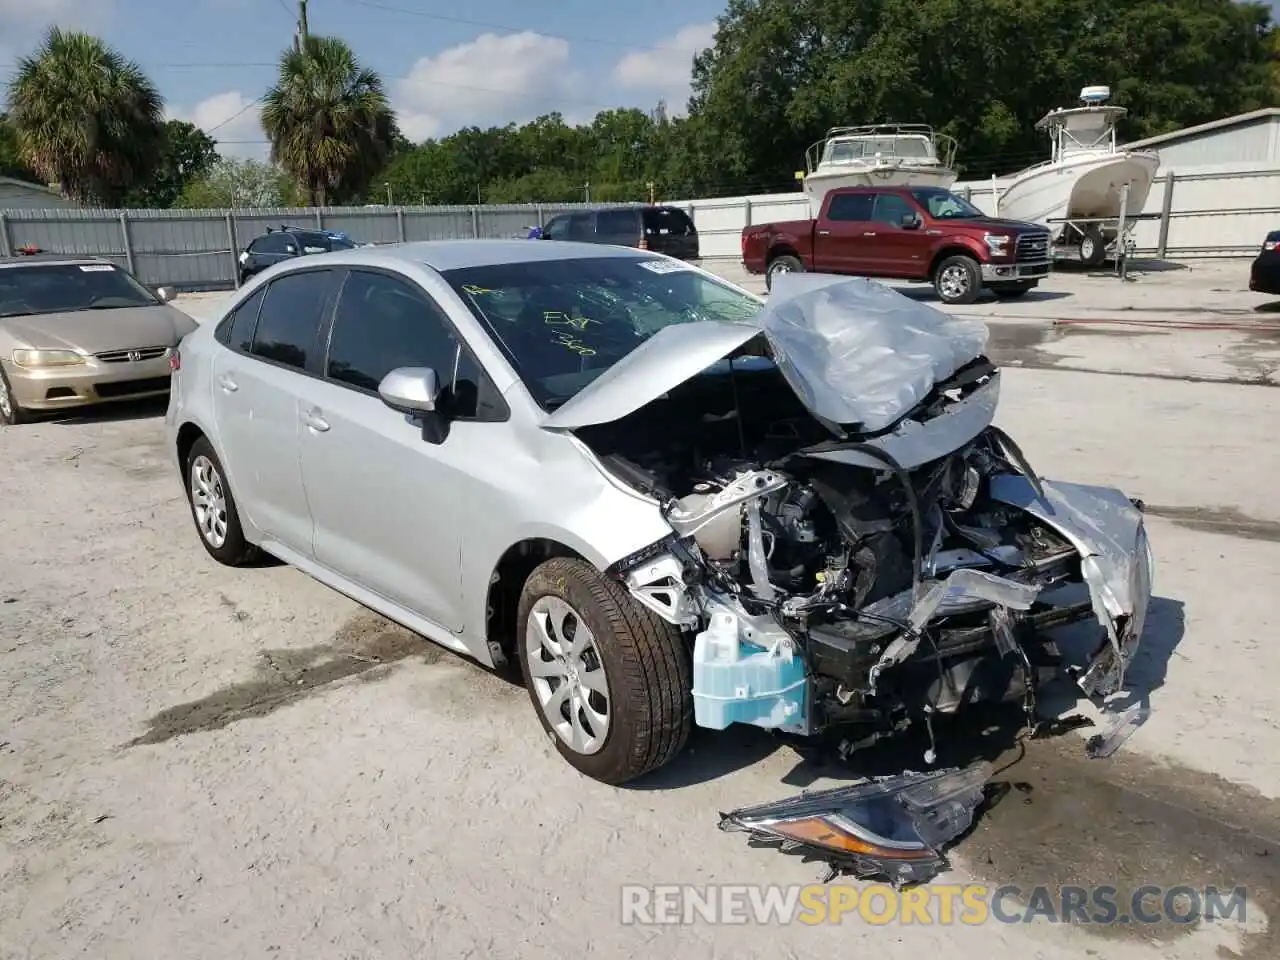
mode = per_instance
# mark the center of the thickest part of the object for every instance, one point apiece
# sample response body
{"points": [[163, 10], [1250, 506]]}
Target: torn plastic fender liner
{"points": [[895, 828], [1107, 531]]}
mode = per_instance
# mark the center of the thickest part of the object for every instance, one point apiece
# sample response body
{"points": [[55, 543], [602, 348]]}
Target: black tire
{"points": [[10, 413], [957, 279], [783, 264], [233, 550], [1093, 249], [646, 666], [1012, 291]]}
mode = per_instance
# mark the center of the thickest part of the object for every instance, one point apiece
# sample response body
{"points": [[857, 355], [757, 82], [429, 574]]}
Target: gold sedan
{"points": [[81, 331]]}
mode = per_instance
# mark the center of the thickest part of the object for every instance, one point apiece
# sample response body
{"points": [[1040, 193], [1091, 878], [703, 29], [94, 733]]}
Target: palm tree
{"points": [[328, 120], [87, 118]]}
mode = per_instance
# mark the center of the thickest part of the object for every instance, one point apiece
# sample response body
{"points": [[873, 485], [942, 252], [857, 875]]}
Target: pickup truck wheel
{"points": [[610, 681], [783, 264], [1012, 291], [957, 280]]}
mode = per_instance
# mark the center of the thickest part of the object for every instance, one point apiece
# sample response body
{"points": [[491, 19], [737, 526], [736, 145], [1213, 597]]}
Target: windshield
{"points": [[856, 148], [562, 323], [68, 287], [945, 205]]}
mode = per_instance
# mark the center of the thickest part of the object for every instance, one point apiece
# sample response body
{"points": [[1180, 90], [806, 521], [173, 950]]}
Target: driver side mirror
{"points": [[411, 390], [911, 221], [165, 294]]}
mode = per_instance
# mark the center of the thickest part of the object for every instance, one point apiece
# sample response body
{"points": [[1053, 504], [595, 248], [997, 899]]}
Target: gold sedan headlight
{"points": [[47, 358]]}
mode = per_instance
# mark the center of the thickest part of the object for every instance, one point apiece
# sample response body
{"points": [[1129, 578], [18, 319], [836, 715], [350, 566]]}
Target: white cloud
{"points": [[667, 69], [236, 117], [490, 80]]}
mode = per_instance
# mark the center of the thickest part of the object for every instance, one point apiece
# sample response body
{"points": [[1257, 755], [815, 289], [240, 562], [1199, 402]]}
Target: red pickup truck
{"points": [[909, 233]]}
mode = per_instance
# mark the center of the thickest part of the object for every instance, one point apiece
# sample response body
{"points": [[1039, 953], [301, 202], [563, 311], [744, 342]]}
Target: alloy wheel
{"points": [[954, 282], [209, 501], [6, 402], [567, 675]]}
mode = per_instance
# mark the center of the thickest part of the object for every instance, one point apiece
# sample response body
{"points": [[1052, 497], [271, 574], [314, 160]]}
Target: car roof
{"points": [[49, 259], [444, 255]]}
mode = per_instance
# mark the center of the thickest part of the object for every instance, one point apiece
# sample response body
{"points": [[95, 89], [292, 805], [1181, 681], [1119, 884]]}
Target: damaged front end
{"points": [[873, 554]]}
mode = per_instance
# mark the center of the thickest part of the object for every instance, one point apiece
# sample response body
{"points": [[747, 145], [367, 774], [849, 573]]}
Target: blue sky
{"points": [[512, 61]]}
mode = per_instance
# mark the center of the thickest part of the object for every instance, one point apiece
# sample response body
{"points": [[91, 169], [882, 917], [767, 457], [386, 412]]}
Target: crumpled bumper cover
{"points": [[1107, 530]]}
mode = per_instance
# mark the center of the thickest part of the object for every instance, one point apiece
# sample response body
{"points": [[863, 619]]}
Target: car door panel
{"points": [[255, 388], [384, 500], [899, 251], [256, 412], [844, 235]]}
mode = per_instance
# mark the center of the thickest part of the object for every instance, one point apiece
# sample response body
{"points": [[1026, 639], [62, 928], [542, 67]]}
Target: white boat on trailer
{"points": [[1091, 191], [878, 155]]}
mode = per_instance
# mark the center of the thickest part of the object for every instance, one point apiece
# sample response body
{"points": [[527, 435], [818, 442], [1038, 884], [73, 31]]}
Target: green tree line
{"points": [[780, 72]]}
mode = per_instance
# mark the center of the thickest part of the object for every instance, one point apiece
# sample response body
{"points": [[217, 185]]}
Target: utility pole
{"points": [[651, 189], [586, 192], [301, 33]]}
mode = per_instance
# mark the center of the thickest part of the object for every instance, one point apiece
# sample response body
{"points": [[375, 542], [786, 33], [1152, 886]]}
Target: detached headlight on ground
{"points": [[893, 828], [46, 358]]}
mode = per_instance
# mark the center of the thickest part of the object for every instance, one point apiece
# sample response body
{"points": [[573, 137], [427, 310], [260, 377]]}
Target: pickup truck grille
{"points": [[1031, 248]]}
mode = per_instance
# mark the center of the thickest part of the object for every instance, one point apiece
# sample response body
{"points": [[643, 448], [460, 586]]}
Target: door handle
{"points": [[824, 233], [869, 233], [316, 422], [227, 384]]}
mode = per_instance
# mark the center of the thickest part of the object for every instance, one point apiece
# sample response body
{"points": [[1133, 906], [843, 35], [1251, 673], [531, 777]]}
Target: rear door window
{"points": [[580, 227], [557, 229], [667, 221], [236, 330], [621, 227], [289, 321], [851, 206]]}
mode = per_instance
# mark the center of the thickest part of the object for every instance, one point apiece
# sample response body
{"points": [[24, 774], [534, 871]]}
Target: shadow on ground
{"points": [[146, 409]]}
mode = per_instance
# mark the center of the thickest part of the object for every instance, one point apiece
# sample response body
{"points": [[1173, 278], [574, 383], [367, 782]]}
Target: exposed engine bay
{"points": [[874, 579]]}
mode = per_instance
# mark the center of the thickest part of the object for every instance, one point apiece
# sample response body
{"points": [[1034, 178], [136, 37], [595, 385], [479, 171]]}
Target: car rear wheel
{"points": [[957, 280], [610, 680], [10, 412], [779, 265], [213, 508]]}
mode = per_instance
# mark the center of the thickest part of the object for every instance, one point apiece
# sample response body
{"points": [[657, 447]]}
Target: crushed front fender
{"points": [[1106, 528]]}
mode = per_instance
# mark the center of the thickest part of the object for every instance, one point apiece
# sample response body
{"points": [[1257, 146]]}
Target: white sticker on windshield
{"points": [[96, 267], [663, 266], [313, 250]]}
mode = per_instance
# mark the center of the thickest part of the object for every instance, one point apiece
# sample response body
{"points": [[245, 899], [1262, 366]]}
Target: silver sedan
{"points": [[668, 501]]}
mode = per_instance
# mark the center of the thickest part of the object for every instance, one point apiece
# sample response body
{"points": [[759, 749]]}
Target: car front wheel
{"points": [[10, 412], [610, 680], [957, 280]]}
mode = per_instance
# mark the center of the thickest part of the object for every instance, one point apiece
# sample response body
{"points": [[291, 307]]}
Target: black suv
{"points": [[1264, 277], [666, 230], [287, 242]]}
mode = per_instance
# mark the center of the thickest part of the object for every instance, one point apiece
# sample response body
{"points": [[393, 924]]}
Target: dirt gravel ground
{"points": [[207, 763]]}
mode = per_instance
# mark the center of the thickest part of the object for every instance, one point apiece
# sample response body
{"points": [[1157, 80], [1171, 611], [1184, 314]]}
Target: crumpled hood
{"points": [[858, 354]]}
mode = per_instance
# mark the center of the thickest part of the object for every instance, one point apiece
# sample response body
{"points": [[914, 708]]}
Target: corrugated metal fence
{"points": [[197, 249]]}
